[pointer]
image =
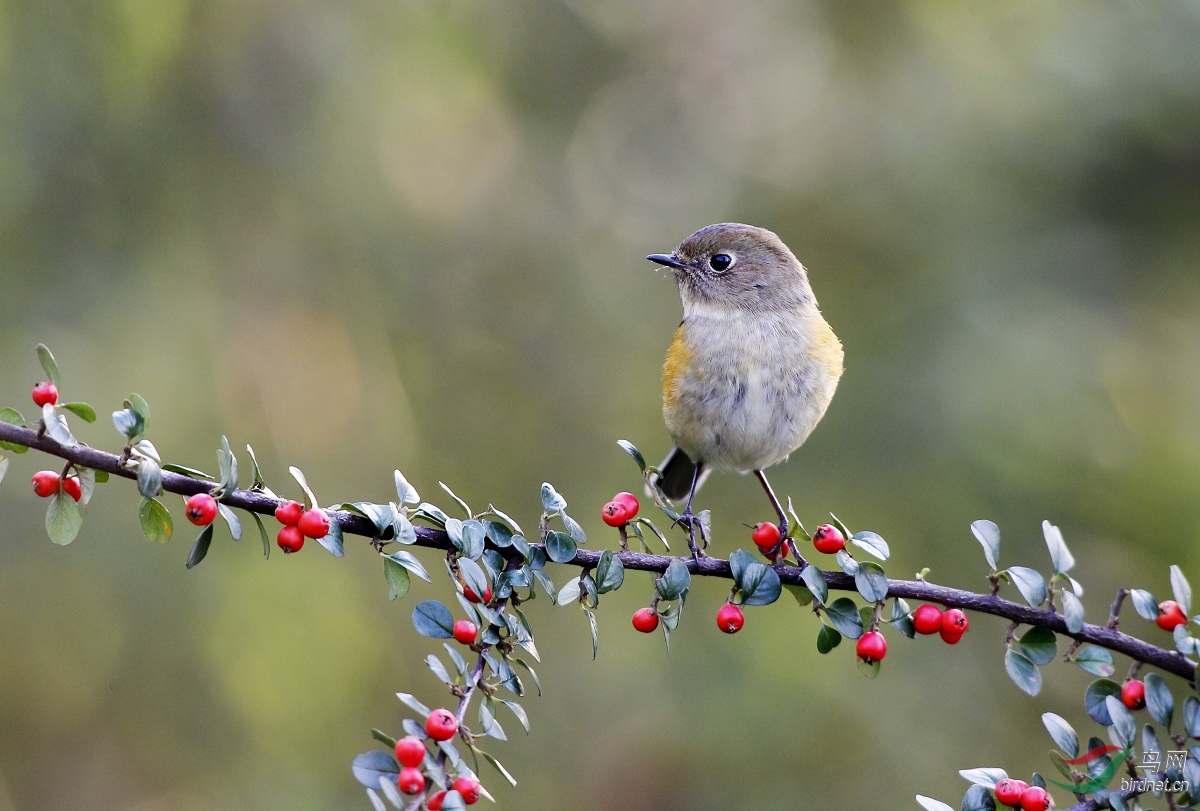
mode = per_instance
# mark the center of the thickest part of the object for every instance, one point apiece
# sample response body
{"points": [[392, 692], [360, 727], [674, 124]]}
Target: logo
{"points": [[1101, 780]]}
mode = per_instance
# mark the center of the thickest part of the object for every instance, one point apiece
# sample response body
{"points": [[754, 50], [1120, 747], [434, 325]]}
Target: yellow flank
{"points": [[679, 357], [826, 347]]}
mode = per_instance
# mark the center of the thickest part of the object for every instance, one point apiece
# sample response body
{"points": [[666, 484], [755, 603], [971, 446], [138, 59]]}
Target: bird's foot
{"points": [[692, 522]]}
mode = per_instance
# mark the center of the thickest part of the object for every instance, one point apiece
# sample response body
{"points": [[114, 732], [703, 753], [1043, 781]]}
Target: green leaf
{"points": [[930, 804], [573, 529], [1181, 589], [200, 547], [12, 417], [232, 521], [413, 704], [1144, 603], [149, 477], [1072, 611], [569, 593], [552, 502], [1039, 645], [610, 573], [629, 448], [1060, 556], [156, 520], [439, 670], [434, 620], [1023, 672], [474, 539], [128, 424], [739, 561], [384, 738], [82, 410], [410, 562], [868, 669], [516, 529], [1123, 729], [310, 501], [405, 492], [187, 471], [63, 519], [560, 547], [462, 505], [988, 535], [262, 534], [760, 585], [1094, 697], [333, 541], [591, 615], [3, 467], [871, 582], [498, 767], [1029, 583], [843, 613], [49, 365], [1064, 734], [814, 578], [397, 579], [370, 768], [803, 596], [987, 777], [227, 467], [141, 408], [56, 427], [518, 711], [978, 798], [1095, 660], [472, 576], [488, 724], [1159, 701], [827, 639], [846, 563], [1191, 717], [871, 543], [675, 581]]}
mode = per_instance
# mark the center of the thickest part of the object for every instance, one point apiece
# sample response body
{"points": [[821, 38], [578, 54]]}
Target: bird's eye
{"points": [[720, 262]]}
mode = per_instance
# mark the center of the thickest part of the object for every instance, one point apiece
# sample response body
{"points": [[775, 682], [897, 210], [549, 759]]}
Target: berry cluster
{"points": [[951, 624], [46, 483], [441, 725], [620, 511], [1019, 794], [298, 524]]}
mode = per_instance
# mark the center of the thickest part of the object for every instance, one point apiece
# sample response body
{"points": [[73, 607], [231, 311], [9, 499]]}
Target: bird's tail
{"points": [[676, 473]]}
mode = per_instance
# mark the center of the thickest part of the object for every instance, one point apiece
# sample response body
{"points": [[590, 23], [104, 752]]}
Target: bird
{"points": [[752, 367]]}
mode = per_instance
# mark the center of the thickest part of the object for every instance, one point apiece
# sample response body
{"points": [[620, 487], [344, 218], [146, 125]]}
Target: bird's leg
{"points": [[690, 520], [783, 521]]}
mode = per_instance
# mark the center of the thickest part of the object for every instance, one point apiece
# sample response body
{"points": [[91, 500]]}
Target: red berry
{"points": [[45, 393], [441, 725], [1008, 791], [631, 504], [464, 632], [45, 483], [1035, 798], [950, 637], [201, 509], [927, 619], [468, 787], [472, 597], [828, 539], [411, 781], [288, 512], [72, 487], [871, 647], [1170, 615], [765, 535], [410, 751], [730, 618], [645, 620], [314, 523], [290, 539], [955, 622], [1133, 694], [615, 514], [436, 799]]}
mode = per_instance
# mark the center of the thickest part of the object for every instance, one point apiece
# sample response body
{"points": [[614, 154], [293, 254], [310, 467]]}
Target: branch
{"points": [[1105, 637]]}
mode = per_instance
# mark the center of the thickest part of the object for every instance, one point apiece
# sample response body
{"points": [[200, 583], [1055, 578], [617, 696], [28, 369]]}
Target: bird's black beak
{"points": [[666, 259]]}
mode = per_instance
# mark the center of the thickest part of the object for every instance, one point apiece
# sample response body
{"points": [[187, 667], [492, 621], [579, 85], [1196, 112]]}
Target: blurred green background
{"points": [[379, 234]]}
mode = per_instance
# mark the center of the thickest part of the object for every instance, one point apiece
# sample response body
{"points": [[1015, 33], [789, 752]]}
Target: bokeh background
{"points": [[376, 235]]}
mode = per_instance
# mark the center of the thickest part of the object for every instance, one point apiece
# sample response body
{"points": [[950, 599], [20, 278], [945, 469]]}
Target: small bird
{"points": [[753, 365]]}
